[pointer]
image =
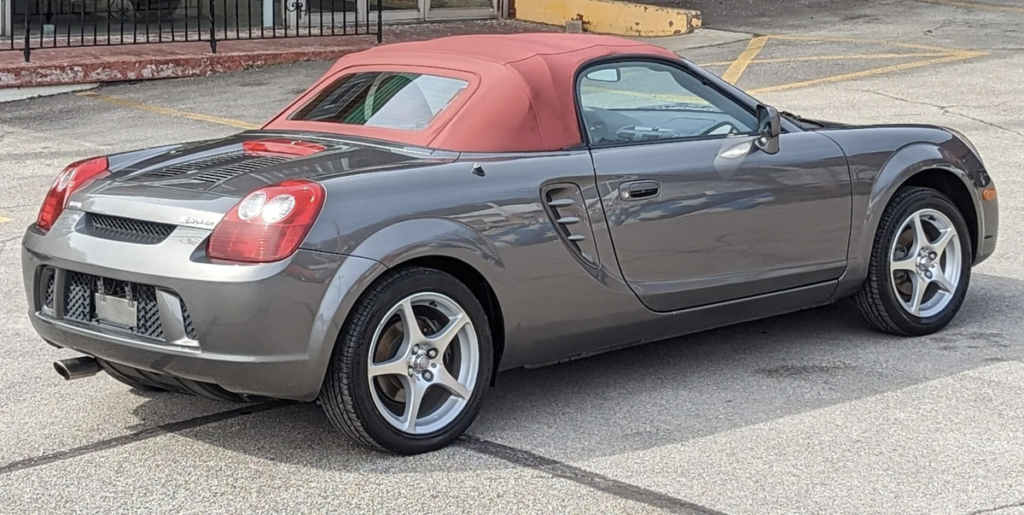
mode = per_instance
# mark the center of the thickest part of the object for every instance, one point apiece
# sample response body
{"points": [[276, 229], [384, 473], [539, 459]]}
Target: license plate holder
{"points": [[115, 310]]}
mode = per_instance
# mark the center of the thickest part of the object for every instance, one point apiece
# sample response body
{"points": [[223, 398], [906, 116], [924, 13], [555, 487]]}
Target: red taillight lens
{"points": [[74, 177], [282, 146], [267, 225]]}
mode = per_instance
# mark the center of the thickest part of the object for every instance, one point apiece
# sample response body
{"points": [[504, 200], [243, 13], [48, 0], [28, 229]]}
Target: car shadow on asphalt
{"points": [[663, 393]]}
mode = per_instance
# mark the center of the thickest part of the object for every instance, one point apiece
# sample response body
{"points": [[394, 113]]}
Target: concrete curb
{"points": [[611, 17], [158, 67]]}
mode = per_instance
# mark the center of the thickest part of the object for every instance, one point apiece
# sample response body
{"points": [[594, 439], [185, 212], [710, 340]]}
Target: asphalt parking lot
{"points": [[810, 413]]}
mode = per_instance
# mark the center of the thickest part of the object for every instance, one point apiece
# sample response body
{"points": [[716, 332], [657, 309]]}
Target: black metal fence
{"points": [[40, 24]]}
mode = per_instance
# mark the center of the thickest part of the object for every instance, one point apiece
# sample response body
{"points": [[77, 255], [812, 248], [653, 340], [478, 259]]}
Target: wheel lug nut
{"points": [[428, 376], [415, 348], [932, 255], [928, 274], [432, 353], [412, 372]]}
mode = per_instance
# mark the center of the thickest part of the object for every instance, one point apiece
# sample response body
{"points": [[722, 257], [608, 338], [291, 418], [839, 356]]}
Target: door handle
{"points": [[639, 190]]}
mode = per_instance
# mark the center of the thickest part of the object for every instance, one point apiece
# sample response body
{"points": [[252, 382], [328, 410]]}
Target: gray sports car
{"points": [[428, 214]]}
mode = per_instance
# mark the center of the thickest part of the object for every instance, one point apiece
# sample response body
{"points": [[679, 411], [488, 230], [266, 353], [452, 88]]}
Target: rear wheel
{"points": [[411, 366], [920, 265]]}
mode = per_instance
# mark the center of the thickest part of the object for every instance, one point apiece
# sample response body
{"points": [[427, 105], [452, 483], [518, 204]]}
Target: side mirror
{"points": [[605, 75], [768, 128]]}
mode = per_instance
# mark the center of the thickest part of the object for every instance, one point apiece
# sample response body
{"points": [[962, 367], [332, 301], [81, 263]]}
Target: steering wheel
{"points": [[717, 129]]}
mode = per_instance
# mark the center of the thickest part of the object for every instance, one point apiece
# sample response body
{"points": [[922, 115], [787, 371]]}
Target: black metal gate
{"points": [[84, 23]]}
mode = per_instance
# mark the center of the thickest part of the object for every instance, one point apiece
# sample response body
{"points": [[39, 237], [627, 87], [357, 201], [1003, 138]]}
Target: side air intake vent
{"points": [[568, 211]]}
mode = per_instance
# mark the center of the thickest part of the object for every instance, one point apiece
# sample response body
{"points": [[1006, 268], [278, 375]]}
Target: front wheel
{"points": [[920, 265], [412, 363]]}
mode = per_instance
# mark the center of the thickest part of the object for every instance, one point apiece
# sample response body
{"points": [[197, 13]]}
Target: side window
{"points": [[642, 100]]}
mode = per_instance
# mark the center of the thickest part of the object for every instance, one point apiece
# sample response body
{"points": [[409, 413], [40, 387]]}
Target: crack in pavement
{"points": [[946, 110], [513, 455], [138, 436], [1017, 504], [986, 122], [593, 480], [5, 241]]}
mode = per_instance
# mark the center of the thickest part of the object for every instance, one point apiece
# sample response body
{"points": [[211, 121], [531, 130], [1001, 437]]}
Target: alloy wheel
{"points": [[423, 363], [925, 263]]}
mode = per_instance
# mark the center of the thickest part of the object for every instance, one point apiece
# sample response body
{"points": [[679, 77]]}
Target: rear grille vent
{"points": [[219, 168], [247, 165], [194, 166], [128, 229], [71, 296], [190, 328], [80, 306], [49, 296]]}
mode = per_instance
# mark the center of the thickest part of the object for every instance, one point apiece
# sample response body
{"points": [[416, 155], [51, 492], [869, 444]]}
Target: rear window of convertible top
{"points": [[389, 100]]}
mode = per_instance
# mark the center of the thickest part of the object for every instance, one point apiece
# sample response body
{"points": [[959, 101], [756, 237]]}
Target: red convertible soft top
{"points": [[519, 98]]}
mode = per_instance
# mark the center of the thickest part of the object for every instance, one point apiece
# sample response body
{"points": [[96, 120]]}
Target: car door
{"points": [[698, 213]]}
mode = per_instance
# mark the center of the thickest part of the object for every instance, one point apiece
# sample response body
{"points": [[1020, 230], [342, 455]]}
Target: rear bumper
{"points": [[281, 377], [262, 330]]}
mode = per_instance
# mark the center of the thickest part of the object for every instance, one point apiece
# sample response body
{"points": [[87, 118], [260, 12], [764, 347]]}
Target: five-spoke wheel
{"points": [[409, 370], [925, 263], [920, 265], [420, 381]]}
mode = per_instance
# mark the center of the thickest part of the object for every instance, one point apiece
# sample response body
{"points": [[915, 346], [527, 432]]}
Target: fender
{"points": [[352, 278], [898, 168], [420, 237], [386, 249]]}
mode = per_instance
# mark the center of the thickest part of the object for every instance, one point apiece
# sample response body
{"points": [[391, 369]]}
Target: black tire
{"points": [[346, 397], [131, 377], [877, 301]]}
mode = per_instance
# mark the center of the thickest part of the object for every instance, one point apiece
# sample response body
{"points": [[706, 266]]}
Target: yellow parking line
{"points": [[973, 5], [4, 220], [738, 66], [867, 73], [640, 94], [917, 46], [845, 57], [239, 124]]}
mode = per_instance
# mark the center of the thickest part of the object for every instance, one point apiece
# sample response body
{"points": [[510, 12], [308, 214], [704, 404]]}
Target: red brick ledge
{"points": [[143, 67], [87, 65]]}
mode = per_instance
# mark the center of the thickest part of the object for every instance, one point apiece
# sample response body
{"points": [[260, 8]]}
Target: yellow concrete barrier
{"points": [[611, 17]]}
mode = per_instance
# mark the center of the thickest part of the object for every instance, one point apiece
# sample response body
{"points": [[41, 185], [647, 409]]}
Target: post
{"points": [[380, 21], [213, 27], [28, 34]]}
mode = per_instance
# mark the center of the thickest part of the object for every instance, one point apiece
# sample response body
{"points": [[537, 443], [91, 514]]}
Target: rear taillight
{"points": [[267, 225], [76, 176]]}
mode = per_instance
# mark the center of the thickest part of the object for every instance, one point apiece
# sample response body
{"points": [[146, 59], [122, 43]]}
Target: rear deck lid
{"points": [[240, 164]]}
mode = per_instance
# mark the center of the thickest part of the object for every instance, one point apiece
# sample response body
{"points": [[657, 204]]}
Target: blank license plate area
{"points": [[115, 310]]}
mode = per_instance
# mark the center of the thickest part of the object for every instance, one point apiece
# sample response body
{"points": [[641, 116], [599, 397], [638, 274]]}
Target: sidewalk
{"points": [[87, 65]]}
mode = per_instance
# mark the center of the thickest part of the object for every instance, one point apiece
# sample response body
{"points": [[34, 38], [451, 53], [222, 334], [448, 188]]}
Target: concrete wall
{"points": [[610, 17]]}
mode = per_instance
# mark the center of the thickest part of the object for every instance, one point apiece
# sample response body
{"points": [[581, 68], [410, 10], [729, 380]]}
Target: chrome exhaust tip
{"points": [[77, 368]]}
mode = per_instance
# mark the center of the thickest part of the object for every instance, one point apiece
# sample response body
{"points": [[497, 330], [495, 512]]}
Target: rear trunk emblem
{"points": [[196, 222]]}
